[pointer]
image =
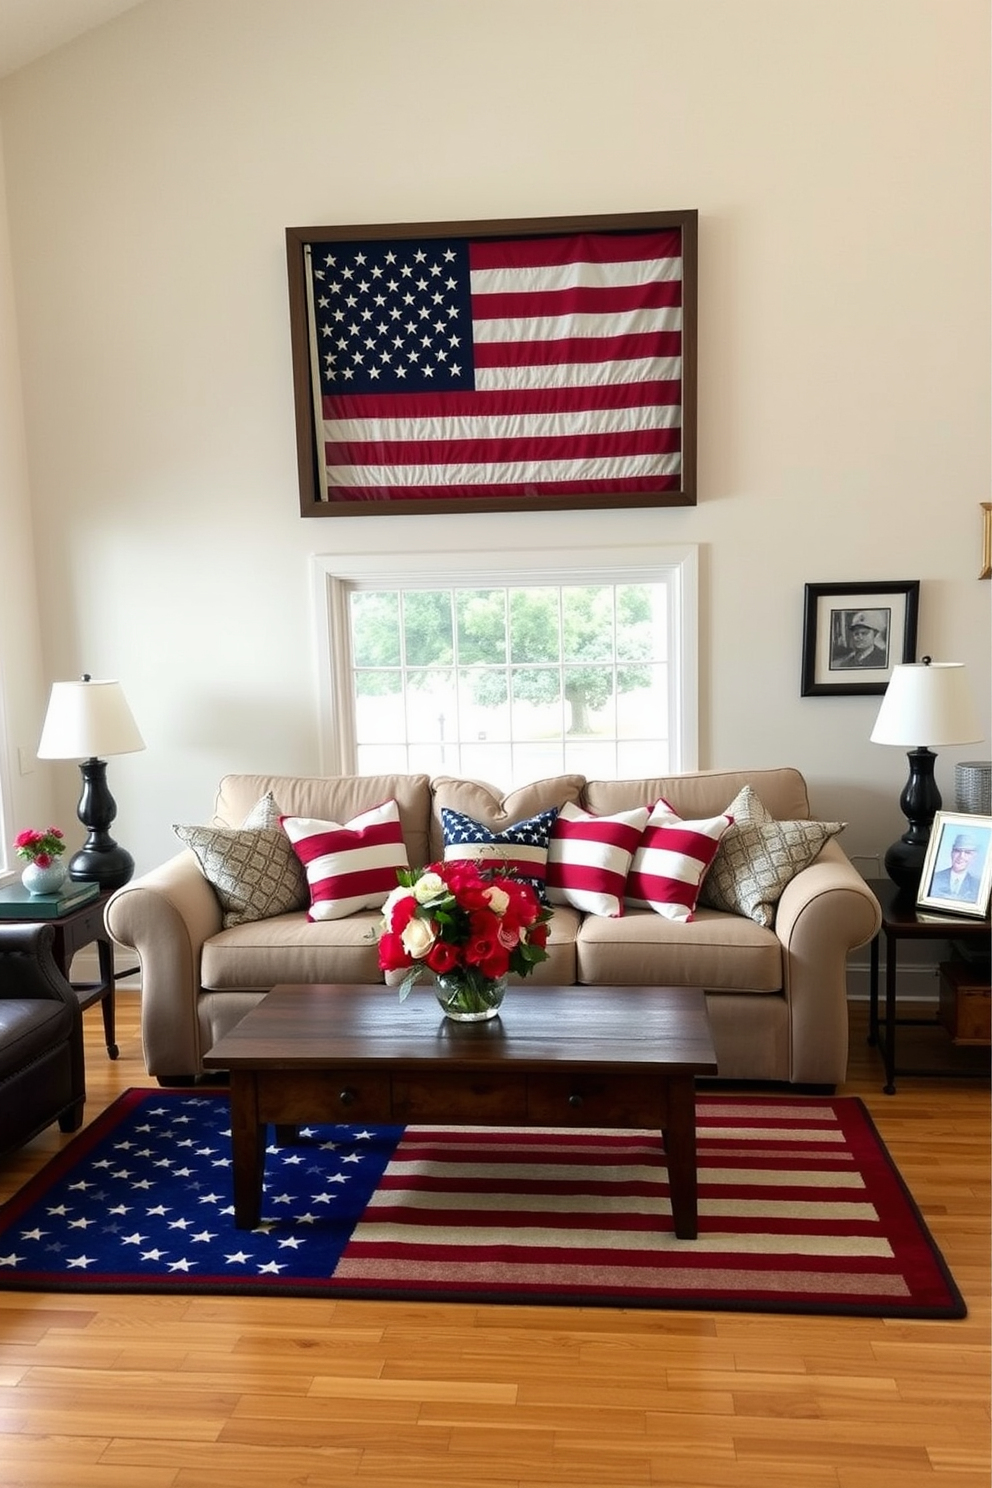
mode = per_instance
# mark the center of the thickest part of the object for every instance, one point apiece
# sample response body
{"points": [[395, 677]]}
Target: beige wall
{"points": [[22, 673], [838, 154]]}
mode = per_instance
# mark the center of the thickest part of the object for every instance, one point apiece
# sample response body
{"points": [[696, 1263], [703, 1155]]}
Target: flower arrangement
{"points": [[41, 848], [453, 917]]}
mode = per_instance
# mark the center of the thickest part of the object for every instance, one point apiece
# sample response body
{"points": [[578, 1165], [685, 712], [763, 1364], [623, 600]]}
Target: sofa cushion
{"points": [[252, 868], [485, 804], [521, 848], [334, 798], [589, 858], [720, 952], [671, 861], [702, 793], [291, 949], [759, 856], [349, 866]]}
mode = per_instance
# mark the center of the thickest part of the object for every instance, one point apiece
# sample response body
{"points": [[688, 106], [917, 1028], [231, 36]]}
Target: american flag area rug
{"points": [[801, 1209]]}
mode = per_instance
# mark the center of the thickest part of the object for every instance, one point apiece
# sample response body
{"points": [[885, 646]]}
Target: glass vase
{"points": [[467, 996], [39, 880]]}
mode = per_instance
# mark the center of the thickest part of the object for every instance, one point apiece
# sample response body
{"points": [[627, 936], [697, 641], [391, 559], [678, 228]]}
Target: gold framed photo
{"points": [[957, 870]]}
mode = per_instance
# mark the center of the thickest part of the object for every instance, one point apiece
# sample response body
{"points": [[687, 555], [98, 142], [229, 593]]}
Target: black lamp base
{"points": [[100, 859], [920, 801], [904, 865]]}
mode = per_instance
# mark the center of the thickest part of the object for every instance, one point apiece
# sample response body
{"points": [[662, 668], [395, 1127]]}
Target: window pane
{"points": [[645, 757], [484, 703], [535, 625], [536, 695], [587, 622], [378, 707], [642, 707], [431, 706], [375, 628], [427, 632], [594, 758], [589, 693], [432, 759], [535, 762], [641, 622], [492, 762], [382, 759], [481, 626]]}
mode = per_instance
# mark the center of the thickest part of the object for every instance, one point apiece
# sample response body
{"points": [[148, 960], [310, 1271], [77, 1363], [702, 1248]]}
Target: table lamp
{"points": [[86, 719], [924, 701]]}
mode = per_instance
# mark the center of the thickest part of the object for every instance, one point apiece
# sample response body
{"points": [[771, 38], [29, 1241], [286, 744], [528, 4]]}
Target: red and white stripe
{"points": [[799, 1209]]}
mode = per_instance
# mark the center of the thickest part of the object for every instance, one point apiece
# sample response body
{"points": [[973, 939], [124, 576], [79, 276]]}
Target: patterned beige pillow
{"points": [[758, 856], [252, 868]]}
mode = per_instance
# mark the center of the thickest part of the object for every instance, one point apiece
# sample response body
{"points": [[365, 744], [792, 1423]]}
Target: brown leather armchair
{"points": [[42, 1074]]}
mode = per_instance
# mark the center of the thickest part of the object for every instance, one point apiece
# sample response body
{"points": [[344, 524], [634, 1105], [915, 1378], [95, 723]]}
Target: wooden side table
{"points": [[78, 928], [902, 921]]}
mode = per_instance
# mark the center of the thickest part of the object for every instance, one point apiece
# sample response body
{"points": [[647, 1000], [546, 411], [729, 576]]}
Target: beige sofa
{"points": [[777, 996]]}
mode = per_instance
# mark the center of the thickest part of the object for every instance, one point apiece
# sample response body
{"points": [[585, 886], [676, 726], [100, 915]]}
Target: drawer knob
{"points": [[347, 1097], [575, 1101]]}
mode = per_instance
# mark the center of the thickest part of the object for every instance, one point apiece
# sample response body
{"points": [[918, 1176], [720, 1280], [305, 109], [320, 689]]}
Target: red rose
{"points": [[496, 965], [392, 954], [442, 957]]}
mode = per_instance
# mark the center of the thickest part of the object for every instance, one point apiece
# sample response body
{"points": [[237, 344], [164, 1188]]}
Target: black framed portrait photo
{"points": [[854, 634]]}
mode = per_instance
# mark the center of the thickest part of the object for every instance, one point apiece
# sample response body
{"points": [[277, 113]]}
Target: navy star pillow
{"points": [[521, 849]]}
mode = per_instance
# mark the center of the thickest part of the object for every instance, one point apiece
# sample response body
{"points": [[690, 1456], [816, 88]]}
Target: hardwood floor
{"points": [[162, 1392]]}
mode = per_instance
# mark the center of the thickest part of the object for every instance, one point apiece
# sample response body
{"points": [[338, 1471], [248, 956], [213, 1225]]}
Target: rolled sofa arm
{"points": [[164, 917], [825, 912]]}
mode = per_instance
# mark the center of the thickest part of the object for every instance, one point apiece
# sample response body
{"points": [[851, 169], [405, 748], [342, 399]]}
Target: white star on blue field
{"points": [[149, 1198]]}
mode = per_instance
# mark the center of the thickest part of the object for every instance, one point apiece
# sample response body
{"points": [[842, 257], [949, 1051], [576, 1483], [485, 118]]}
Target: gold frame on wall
{"points": [[986, 572]]}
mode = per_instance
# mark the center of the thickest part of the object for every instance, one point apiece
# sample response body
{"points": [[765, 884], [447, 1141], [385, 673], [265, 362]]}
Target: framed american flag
{"points": [[539, 364]]}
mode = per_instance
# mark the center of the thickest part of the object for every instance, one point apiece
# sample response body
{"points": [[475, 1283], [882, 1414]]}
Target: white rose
{"points": [[418, 937], [428, 887], [395, 897], [498, 899]]}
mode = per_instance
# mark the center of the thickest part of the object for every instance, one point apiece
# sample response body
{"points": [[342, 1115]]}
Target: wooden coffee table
{"points": [[557, 1056]]}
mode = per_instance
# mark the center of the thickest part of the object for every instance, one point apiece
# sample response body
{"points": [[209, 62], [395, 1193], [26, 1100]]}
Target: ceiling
{"points": [[29, 28]]}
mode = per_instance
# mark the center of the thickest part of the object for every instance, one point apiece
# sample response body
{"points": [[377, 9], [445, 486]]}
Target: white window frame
{"points": [[334, 575]]}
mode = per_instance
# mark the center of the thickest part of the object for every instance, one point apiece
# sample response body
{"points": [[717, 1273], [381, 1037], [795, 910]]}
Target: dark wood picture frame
{"points": [[317, 402], [854, 634]]}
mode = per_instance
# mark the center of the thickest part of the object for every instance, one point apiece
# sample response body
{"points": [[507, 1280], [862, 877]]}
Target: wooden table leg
{"points": [[680, 1149], [108, 1003], [248, 1150]]}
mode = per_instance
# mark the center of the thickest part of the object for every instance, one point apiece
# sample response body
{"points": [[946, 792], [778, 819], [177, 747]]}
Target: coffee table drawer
{"points": [[459, 1097], [596, 1100], [336, 1095]]}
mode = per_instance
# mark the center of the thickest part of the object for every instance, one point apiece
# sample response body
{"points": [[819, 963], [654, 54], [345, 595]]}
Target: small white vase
{"points": [[43, 880]]}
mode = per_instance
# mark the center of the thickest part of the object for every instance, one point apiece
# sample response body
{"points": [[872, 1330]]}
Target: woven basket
{"points": [[973, 787]]}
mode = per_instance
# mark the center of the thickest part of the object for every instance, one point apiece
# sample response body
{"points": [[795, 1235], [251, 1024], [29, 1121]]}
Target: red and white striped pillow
{"points": [[589, 858], [672, 860], [349, 867]]}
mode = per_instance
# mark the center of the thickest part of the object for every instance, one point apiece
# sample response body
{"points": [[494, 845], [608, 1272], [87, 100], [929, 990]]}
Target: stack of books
{"points": [[17, 904]]}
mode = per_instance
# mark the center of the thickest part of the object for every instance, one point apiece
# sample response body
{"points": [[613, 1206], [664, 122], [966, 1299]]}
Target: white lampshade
{"points": [[927, 703], [87, 719]]}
